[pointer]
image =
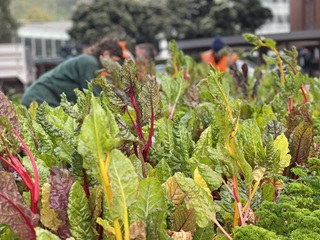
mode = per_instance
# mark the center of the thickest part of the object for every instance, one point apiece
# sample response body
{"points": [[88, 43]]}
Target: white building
{"points": [[44, 39], [280, 22]]}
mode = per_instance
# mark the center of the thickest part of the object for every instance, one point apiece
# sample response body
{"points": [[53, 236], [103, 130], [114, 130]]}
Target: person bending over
{"points": [[71, 74]]}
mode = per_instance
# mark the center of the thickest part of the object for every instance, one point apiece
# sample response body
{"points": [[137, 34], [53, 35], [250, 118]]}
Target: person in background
{"points": [[145, 58], [71, 74], [125, 50], [214, 57]]}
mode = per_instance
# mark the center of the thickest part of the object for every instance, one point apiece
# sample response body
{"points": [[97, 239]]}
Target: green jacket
{"points": [[64, 78]]}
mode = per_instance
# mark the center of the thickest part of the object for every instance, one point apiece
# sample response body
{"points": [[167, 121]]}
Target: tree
{"points": [[122, 18], [179, 19], [7, 24]]}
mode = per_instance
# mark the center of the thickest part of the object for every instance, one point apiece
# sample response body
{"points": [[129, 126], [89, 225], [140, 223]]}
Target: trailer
{"points": [[17, 69]]}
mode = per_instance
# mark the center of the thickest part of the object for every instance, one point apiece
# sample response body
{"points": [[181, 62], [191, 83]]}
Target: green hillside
{"points": [[42, 10]]}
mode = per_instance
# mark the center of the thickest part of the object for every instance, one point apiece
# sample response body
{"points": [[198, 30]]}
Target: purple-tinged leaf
{"points": [[299, 134], [191, 95], [300, 142], [13, 210], [7, 109], [184, 219], [61, 182]]}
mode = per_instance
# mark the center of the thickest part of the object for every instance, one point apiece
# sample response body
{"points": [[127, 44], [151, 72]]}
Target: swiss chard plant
{"points": [[189, 158]]}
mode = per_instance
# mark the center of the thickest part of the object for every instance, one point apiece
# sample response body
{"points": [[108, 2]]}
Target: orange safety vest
{"points": [[225, 61]]}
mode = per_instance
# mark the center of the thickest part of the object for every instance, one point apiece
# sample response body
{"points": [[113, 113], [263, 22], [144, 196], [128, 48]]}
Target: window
{"points": [[38, 47], [48, 47], [28, 42], [58, 47]]}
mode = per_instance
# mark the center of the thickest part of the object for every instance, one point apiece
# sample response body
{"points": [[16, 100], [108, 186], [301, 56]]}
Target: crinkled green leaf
{"points": [[270, 60], [251, 138], [243, 165], [150, 197], [219, 90], [251, 38], [198, 199], [204, 233], [124, 184], [43, 234], [266, 116], [206, 139], [188, 120], [68, 107], [163, 171], [173, 143], [173, 89], [115, 99], [98, 135], [79, 213], [43, 169], [60, 127], [212, 178]]}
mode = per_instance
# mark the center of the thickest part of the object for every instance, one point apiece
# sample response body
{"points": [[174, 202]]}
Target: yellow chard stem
{"points": [[279, 59], [107, 191], [231, 148], [280, 65]]}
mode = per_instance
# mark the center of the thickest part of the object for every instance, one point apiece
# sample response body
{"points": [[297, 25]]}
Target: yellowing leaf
{"points": [[173, 190], [138, 231], [106, 227], [281, 143], [48, 217], [182, 235], [258, 173], [201, 182], [184, 219], [197, 199]]}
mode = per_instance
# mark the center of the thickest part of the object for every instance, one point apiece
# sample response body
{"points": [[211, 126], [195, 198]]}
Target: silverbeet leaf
{"points": [[124, 184], [61, 182], [197, 199], [151, 196], [13, 210], [43, 234], [98, 135], [79, 213]]}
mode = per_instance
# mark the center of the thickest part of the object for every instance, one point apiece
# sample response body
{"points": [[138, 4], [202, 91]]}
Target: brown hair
{"points": [[146, 50], [106, 44]]}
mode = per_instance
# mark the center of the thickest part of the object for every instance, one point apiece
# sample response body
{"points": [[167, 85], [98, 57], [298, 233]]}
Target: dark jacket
{"points": [[64, 78]]}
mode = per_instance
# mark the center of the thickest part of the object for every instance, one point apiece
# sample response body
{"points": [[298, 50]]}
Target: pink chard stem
{"points": [[36, 187]]}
